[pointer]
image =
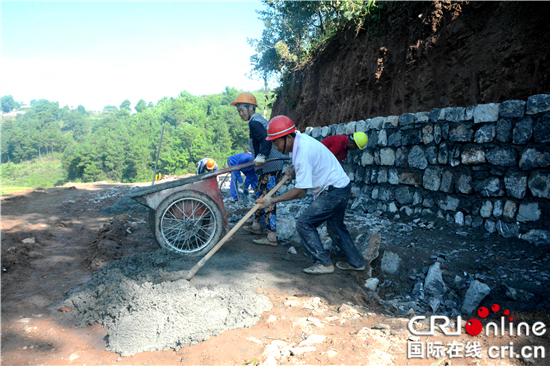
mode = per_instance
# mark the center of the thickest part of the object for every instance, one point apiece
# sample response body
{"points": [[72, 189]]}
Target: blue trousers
{"points": [[330, 206], [250, 180]]}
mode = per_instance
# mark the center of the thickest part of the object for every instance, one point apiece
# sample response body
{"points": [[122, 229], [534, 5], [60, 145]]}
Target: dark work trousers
{"points": [[329, 206]]}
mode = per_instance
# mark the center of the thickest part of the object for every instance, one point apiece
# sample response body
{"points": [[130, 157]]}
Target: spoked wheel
{"points": [[188, 222]]}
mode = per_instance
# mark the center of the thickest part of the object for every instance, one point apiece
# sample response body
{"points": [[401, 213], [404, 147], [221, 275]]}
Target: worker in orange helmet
{"points": [[206, 165], [317, 169], [268, 174]]}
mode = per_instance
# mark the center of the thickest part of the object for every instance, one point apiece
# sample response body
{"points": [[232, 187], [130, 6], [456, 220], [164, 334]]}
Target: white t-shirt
{"points": [[316, 167]]}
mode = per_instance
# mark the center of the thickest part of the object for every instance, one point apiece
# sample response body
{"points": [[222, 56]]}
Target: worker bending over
{"points": [[206, 165], [340, 144], [318, 170], [250, 180], [268, 174]]}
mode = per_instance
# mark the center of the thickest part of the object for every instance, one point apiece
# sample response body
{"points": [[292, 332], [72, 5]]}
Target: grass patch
{"points": [[7, 190], [31, 174]]}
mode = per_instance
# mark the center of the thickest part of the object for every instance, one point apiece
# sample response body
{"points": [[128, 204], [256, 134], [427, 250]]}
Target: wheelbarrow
{"points": [[188, 215]]}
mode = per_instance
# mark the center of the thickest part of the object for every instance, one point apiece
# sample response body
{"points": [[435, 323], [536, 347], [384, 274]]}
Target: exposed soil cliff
{"points": [[424, 55]]}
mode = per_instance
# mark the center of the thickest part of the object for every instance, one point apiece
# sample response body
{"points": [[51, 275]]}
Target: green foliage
{"points": [[118, 146], [8, 103], [293, 29], [32, 174]]}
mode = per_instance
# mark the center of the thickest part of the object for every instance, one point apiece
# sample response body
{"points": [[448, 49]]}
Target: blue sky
{"points": [[101, 53]]}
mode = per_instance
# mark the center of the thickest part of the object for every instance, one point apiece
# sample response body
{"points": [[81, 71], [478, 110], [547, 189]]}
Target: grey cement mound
{"points": [[123, 205], [144, 313]]}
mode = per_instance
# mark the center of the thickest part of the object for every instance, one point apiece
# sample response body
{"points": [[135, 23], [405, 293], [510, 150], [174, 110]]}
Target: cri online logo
{"points": [[474, 327]]}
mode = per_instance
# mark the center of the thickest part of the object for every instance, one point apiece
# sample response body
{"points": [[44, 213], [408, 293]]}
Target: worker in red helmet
{"points": [[316, 169], [268, 174], [206, 165]]}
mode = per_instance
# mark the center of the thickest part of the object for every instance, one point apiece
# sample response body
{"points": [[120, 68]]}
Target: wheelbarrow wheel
{"points": [[152, 220], [188, 222]]}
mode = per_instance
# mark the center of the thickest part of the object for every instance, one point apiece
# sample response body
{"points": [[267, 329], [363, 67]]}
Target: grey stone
{"points": [[486, 133], [422, 117], [387, 156], [390, 262], [350, 128], [406, 119], [538, 104], [454, 155], [443, 155], [516, 184], [468, 220], [490, 187], [374, 175], [382, 175], [403, 195], [447, 182], [375, 193], [459, 218], [373, 139], [411, 137], [528, 212], [437, 114], [542, 129], [386, 194], [341, 129], [308, 131], [359, 174], [427, 134], [393, 178], [504, 130], [523, 131], [392, 207], [486, 113], [498, 209], [475, 294], [360, 126], [464, 184], [537, 236], [325, 131], [432, 179], [455, 114], [434, 284], [401, 157], [444, 131], [490, 226], [372, 283], [410, 178], [431, 155], [417, 158], [428, 202], [395, 139], [533, 158], [417, 199], [367, 158], [507, 230], [461, 133], [469, 115], [376, 123], [539, 183], [510, 208], [512, 109], [477, 222], [391, 122], [501, 156], [450, 204], [472, 156], [316, 132], [486, 209], [382, 138], [437, 134], [408, 211]]}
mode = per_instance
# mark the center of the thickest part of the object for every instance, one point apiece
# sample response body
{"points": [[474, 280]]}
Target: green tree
{"points": [[126, 105], [81, 109], [140, 106], [8, 103]]}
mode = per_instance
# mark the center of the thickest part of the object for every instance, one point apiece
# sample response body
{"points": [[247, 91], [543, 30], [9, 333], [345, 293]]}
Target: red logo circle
{"points": [[473, 327], [483, 312]]}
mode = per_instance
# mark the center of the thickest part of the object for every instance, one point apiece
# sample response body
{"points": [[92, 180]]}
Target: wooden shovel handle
{"points": [[227, 236]]}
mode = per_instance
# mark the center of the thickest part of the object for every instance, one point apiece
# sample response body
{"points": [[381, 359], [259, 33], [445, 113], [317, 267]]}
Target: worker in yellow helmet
{"points": [[340, 144], [206, 165]]}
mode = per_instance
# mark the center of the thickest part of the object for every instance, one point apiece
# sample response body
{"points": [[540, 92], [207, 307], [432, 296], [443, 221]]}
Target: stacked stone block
{"points": [[485, 166]]}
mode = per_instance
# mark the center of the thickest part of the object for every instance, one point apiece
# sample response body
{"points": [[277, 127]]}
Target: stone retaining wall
{"points": [[484, 166]]}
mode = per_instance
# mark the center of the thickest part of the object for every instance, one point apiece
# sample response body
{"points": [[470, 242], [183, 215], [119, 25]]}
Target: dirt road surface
{"points": [[314, 320]]}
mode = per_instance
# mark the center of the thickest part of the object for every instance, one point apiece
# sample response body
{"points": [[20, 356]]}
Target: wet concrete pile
{"points": [[144, 313]]}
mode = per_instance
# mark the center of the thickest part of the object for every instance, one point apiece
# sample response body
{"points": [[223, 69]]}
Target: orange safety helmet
{"points": [[245, 98], [279, 126], [210, 163]]}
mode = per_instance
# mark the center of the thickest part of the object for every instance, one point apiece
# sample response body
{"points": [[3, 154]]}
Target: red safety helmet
{"points": [[279, 126]]}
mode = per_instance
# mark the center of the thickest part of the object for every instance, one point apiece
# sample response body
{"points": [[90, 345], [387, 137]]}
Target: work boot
{"points": [[319, 269], [270, 240], [255, 228], [345, 266]]}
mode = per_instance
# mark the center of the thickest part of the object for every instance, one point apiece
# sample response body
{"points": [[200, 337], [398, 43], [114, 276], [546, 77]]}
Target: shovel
{"points": [[227, 236]]}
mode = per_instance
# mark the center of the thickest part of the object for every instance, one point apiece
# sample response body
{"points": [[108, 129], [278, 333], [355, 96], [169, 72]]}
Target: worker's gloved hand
{"points": [[266, 202], [259, 160], [290, 173]]}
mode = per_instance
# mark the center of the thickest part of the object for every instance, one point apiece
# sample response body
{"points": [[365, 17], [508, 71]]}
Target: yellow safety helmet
{"points": [[361, 139], [245, 98], [210, 163]]}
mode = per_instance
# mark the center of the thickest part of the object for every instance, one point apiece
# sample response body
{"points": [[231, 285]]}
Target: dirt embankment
{"points": [[424, 55]]}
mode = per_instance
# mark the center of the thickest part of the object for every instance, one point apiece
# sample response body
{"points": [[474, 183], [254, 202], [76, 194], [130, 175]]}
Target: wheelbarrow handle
{"points": [[227, 236]]}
